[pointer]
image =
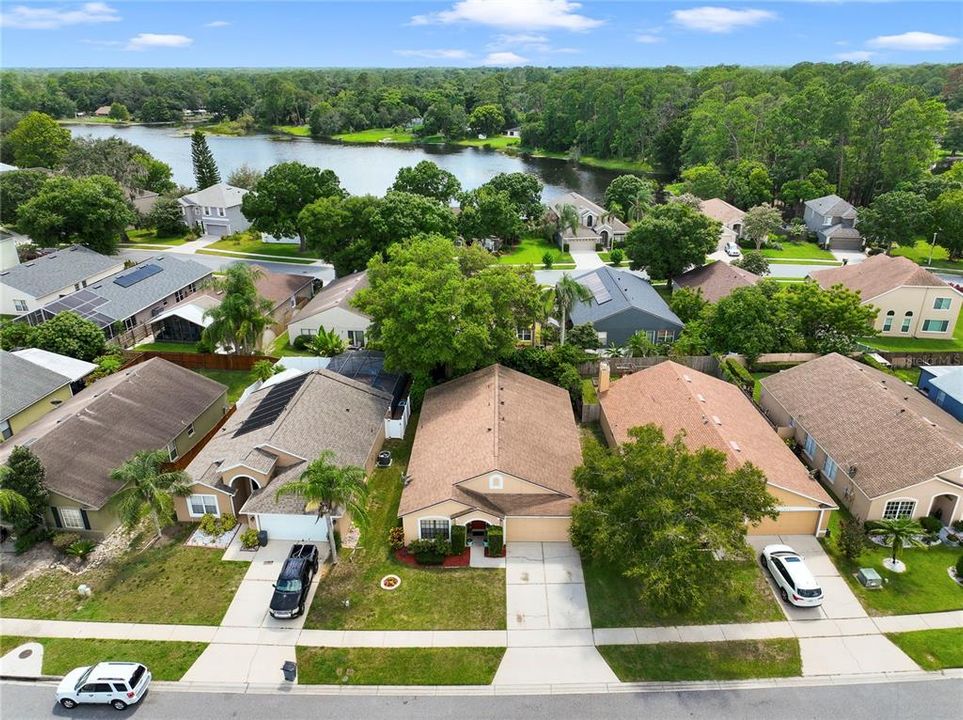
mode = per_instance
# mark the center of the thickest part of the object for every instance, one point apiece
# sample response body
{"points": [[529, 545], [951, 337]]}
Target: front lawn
{"points": [[428, 598], [247, 244], [614, 600], [924, 587], [149, 236], [932, 649], [397, 666], [732, 660], [236, 380], [278, 259], [170, 584], [798, 251], [531, 250], [919, 252], [911, 344], [166, 660], [377, 135]]}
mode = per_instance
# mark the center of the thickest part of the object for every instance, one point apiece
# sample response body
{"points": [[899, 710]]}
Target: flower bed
{"points": [[450, 561], [199, 538]]}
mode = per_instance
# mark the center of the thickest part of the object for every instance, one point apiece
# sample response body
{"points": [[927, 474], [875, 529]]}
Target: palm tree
{"points": [[11, 502], [898, 532], [639, 345], [148, 489], [568, 217], [327, 486], [567, 293], [543, 307], [637, 207], [240, 320], [327, 343]]}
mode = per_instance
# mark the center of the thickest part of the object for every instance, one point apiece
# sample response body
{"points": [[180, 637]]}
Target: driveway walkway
{"points": [[586, 261]]}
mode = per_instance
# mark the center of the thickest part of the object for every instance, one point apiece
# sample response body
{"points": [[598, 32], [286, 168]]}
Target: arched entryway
{"points": [[244, 486], [604, 235], [944, 507], [477, 530]]}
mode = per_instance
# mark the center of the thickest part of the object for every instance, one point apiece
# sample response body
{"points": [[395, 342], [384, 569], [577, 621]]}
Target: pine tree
{"points": [[205, 169]]}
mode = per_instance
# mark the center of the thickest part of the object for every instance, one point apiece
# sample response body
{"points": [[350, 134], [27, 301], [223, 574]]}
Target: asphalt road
{"points": [[929, 700]]}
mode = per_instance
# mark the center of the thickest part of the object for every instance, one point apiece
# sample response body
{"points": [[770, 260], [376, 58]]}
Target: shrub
{"points": [[396, 538], [249, 539], [959, 567], [62, 541], [81, 549], [496, 541], [211, 525], [958, 525], [852, 538], [228, 522], [548, 259], [458, 537], [301, 342], [739, 375], [27, 539], [205, 347], [616, 256], [931, 524], [430, 551]]}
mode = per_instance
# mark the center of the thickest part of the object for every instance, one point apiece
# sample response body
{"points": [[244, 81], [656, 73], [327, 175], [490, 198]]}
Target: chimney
{"points": [[603, 377]]}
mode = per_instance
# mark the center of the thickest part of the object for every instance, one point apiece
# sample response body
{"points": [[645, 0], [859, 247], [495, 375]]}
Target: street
{"points": [[928, 699]]}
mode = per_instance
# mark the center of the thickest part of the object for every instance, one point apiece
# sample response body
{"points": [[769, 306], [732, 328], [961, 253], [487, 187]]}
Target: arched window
{"points": [[888, 322], [907, 321]]}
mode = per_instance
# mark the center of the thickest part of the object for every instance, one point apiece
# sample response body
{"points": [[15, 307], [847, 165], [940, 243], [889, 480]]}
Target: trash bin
{"points": [[262, 537], [290, 670]]}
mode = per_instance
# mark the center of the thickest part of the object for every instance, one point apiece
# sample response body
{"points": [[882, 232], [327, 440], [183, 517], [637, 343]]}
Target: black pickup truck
{"points": [[291, 588]]}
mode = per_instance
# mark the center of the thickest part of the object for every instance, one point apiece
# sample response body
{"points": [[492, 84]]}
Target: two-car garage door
{"points": [[536, 529], [293, 527], [216, 229]]}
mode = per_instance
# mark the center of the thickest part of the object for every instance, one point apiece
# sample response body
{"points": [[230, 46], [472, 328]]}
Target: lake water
{"points": [[363, 169]]}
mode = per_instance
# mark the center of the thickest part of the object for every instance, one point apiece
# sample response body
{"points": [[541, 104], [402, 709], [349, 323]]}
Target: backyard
{"points": [[375, 135], [531, 250], [282, 346], [495, 142], [797, 251], [398, 666], [236, 380], [919, 252], [427, 599], [911, 344]]}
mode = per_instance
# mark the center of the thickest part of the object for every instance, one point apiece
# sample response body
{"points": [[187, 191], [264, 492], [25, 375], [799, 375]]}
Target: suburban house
{"points": [[269, 442], [155, 405], [943, 384], [912, 301], [882, 448], [513, 132], [124, 304], [331, 309], [834, 222], [716, 414], [494, 447], [143, 200], [597, 226], [216, 209], [71, 368], [102, 111], [28, 286], [623, 304], [27, 393], [715, 280], [8, 250], [185, 321], [728, 215]]}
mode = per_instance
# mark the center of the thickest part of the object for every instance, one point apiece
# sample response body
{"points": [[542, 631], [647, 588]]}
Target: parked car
{"points": [[796, 584], [118, 684], [291, 588], [732, 249]]}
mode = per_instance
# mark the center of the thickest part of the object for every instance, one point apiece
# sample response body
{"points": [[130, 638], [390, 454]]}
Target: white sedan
{"points": [[796, 584]]}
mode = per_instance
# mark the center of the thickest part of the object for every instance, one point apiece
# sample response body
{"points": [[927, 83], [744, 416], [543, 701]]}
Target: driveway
{"points": [[586, 260]]}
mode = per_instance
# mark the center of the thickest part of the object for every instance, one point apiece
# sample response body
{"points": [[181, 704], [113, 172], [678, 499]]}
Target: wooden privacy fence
{"points": [[200, 361], [623, 366]]}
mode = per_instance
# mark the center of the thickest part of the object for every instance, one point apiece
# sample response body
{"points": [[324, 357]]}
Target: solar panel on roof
{"points": [[594, 284], [84, 303], [136, 275], [271, 405]]}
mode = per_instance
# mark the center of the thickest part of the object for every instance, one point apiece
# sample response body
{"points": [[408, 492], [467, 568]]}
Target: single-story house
{"points": [[716, 414], [27, 393], [216, 209], [29, 286], [513, 132], [331, 309], [597, 226], [494, 447], [728, 215], [271, 439], [884, 449], [623, 304], [143, 200], [154, 405], [102, 111], [912, 301], [943, 384], [71, 368], [715, 280], [834, 222]]}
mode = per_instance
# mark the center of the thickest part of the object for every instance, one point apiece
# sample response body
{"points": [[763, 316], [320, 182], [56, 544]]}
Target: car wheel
{"points": [[784, 594], [68, 703], [118, 704], [762, 561]]}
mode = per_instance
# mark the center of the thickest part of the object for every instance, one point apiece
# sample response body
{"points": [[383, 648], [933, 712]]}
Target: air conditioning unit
{"points": [[869, 579]]}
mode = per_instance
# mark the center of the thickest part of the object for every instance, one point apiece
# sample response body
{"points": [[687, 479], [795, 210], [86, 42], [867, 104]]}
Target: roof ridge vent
{"points": [[735, 446], [685, 376], [716, 420], [702, 398]]}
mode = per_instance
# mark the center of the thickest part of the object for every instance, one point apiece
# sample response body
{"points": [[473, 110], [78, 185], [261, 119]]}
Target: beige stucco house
{"points": [[27, 393], [883, 449], [495, 447], [331, 309], [728, 216], [912, 301], [713, 413]]}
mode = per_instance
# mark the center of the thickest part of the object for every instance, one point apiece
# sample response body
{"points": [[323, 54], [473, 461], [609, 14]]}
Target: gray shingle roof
{"points": [[338, 293], [832, 206], [583, 204], [627, 291], [22, 383], [57, 270], [220, 195]]}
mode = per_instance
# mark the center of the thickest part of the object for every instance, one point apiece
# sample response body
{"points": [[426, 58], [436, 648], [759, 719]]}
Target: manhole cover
{"points": [[24, 654]]}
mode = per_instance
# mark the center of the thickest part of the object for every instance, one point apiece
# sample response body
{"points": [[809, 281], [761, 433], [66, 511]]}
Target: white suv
{"points": [[116, 683], [796, 584]]}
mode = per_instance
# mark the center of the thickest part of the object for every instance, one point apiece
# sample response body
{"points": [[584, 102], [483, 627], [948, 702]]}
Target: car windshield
{"points": [[135, 678], [83, 678], [815, 592], [289, 586]]}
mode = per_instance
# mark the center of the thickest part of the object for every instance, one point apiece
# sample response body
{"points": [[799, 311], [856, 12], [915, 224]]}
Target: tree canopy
{"points": [[205, 167], [66, 333], [38, 141], [427, 179], [669, 239]]}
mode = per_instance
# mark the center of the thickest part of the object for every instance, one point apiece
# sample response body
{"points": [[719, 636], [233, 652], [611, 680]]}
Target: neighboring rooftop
{"points": [[716, 280], [869, 421], [71, 368], [368, 367], [877, 275], [616, 290], [55, 271], [583, 204], [337, 293], [22, 383], [947, 378], [832, 206], [722, 211], [220, 195]]}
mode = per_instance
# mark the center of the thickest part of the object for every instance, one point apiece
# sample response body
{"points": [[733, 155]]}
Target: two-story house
{"points": [[216, 209], [597, 226], [834, 222]]}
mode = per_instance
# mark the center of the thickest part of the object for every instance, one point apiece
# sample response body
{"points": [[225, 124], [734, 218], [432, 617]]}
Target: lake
{"points": [[363, 169]]}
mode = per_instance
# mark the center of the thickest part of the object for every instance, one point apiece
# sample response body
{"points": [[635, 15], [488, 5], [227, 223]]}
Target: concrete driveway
{"points": [[839, 602]]}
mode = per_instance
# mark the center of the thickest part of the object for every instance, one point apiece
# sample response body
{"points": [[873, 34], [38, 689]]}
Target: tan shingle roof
{"points": [[716, 280], [877, 275], [865, 418], [712, 413], [336, 294], [721, 210], [493, 419]]}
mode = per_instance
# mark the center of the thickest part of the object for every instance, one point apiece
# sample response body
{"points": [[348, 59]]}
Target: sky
{"points": [[471, 33]]}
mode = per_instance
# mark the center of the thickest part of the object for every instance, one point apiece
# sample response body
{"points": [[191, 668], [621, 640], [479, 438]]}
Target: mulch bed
{"points": [[451, 561]]}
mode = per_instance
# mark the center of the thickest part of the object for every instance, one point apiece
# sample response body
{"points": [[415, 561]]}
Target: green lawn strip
{"points": [[589, 394], [932, 649], [495, 143], [299, 130], [614, 600], [398, 666], [226, 127], [811, 261], [264, 258], [427, 599], [166, 347], [531, 250], [282, 346], [150, 236], [919, 252], [170, 584], [376, 135], [732, 660], [166, 660], [910, 375], [757, 388], [592, 161], [798, 251], [256, 247], [911, 344], [236, 380]]}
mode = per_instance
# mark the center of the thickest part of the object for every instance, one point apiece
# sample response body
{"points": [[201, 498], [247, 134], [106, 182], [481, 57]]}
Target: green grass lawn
{"points": [[299, 130], [924, 587], [166, 584], [149, 236], [236, 380], [634, 166], [813, 261], [282, 346], [798, 251], [910, 375], [375, 135], [530, 250], [427, 599], [733, 660], [589, 394], [397, 666], [226, 127], [166, 660], [614, 600], [496, 142], [911, 344], [166, 347], [932, 649], [757, 388], [289, 260], [249, 245], [919, 252]]}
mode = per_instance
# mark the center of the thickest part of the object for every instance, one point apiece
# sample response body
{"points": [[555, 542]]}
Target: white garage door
{"points": [[294, 527], [581, 246], [216, 230]]}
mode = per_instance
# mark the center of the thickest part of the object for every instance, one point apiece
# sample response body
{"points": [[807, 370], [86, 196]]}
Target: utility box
{"points": [[869, 579], [290, 670]]}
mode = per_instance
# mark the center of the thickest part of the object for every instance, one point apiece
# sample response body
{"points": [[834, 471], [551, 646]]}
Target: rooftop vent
{"points": [[716, 420], [735, 446], [686, 378], [701, 397]]}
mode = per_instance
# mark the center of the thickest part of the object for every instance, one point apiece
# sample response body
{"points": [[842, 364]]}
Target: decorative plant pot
{"points": [[390, 582]]}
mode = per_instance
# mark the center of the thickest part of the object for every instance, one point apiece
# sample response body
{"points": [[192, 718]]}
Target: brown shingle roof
{"points": [[716, 280], [877, 275], [493, 419], [864, 418], [278, 288], [337, 294], [712, 413], [722, 211]]}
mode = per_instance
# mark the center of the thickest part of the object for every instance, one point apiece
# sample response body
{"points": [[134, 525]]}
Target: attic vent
{"points": [[735, 446], [29, 264], [701, 397], [716, 420], [5, 272], [686, 378]]}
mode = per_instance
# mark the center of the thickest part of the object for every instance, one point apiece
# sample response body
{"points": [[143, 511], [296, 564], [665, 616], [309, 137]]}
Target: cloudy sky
{"points": [[467, 33]]}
